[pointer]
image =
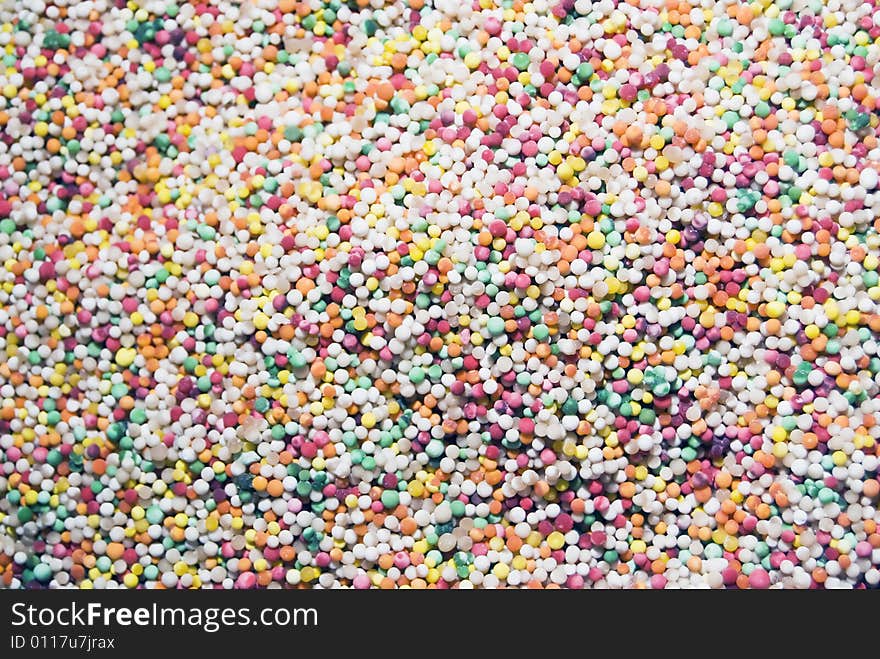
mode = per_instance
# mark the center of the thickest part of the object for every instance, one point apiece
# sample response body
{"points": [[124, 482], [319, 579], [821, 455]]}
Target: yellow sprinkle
{"points": [[125, 356], [775, 309], [596, 240]]}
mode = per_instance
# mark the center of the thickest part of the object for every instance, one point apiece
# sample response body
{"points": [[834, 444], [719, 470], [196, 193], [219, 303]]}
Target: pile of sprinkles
{"points": [[439, 294]]}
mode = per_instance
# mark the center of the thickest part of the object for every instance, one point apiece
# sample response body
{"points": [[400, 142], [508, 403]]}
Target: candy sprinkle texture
{"points": [[439, 294]]}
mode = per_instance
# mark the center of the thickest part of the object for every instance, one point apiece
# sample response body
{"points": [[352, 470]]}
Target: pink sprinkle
{"points": [[759, 579]]}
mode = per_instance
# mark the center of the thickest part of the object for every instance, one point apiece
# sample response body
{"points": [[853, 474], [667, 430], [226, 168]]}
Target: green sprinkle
{"points": [[495, 326]]}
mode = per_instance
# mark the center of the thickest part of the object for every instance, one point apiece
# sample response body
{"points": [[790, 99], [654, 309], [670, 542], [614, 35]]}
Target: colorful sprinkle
{"points": [[551, 294]]}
